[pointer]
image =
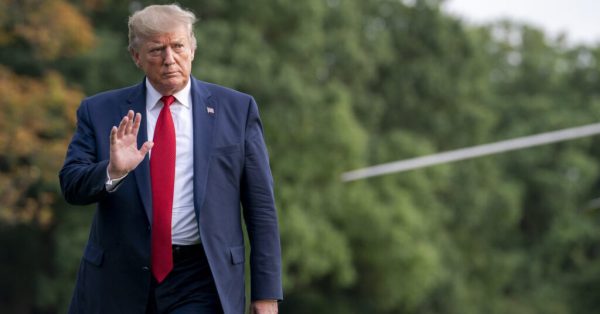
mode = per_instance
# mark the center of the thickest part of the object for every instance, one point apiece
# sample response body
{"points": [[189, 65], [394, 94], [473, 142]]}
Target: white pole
{"points": [[472, 152]]}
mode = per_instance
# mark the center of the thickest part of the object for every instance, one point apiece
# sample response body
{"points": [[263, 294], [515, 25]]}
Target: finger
{"points": [[137, 123], [122, 125], [129, 125], [146, 148], [113, 135]]}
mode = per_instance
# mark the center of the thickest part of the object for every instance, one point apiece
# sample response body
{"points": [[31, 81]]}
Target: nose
{"points": [[169, 58]]}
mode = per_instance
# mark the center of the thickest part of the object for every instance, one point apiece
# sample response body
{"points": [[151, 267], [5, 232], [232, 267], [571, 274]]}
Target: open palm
{"points": [[124, 154]]}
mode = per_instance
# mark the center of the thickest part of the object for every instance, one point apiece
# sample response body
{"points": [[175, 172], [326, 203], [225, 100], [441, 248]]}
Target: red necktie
{"points": [[162, 173]]}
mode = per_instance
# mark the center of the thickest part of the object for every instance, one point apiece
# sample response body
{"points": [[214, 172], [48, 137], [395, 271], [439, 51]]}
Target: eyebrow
{"points": [[155, 44]]}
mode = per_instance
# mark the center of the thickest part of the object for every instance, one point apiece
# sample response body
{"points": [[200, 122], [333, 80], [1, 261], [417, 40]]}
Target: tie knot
{"points": [[168, 100]]}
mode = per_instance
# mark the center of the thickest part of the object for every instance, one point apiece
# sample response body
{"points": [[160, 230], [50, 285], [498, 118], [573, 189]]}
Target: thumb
{"points": [[146, 148]]}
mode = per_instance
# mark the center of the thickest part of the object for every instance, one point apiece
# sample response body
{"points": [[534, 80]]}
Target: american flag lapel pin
{"points": [[210, 110]]}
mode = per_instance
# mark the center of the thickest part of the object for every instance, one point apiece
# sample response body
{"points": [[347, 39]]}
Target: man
{"points": [[167, 233]]}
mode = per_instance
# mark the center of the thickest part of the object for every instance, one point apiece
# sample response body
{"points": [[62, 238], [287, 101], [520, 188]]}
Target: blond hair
{"points": [[158, 19]]}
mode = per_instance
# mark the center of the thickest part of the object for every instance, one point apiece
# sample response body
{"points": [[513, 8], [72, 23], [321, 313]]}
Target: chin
{"points": [[174, 84]]}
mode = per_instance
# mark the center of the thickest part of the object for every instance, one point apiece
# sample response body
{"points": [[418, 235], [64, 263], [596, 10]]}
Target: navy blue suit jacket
{"points": [[231, 167]]}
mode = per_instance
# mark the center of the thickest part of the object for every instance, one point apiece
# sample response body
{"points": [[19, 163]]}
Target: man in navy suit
{"points": [[173, 164]]}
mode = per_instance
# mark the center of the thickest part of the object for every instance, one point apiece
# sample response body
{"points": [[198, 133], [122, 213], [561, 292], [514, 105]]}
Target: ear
{"points": [[135, 55], [192, 54]]}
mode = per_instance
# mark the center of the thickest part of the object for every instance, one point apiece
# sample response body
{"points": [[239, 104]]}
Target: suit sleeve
{"points": [[260, 215], [83, 177]]}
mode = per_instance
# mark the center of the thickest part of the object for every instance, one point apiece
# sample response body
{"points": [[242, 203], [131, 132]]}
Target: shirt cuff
{"points": [[112, 184]]}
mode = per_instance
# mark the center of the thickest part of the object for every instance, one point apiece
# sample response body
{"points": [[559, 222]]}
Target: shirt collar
{"points": [[153, 97]]}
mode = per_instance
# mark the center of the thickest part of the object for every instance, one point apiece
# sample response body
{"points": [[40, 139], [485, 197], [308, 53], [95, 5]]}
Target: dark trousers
{"points": [[189, 287]]}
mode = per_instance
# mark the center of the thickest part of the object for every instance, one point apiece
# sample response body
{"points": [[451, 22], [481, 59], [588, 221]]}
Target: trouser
{"points": [[189, 287]]}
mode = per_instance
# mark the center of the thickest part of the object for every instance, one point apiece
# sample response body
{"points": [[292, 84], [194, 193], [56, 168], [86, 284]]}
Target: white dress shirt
{"points": [[184, 226]]}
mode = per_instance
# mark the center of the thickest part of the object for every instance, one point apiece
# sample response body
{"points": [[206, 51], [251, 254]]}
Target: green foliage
{"points": [[340, 85]]}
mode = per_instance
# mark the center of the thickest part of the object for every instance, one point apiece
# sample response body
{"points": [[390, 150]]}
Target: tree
{"points": [[37, 119]]}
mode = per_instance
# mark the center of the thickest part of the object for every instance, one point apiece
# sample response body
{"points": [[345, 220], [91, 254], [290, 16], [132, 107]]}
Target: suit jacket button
{"points": [[145, 268]]}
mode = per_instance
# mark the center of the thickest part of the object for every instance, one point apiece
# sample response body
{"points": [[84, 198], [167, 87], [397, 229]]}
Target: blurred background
{"points": [[341, 84]]}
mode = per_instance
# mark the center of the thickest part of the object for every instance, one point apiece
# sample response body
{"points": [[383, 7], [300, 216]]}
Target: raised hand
{"points": [[124, 154]]}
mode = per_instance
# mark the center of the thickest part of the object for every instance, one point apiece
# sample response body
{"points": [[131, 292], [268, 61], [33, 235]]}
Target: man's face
{"points": [[166, 59]]}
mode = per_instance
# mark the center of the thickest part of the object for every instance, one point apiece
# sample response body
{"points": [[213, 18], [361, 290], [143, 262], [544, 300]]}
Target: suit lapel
{"points": [[204, 113], [137, 103]]}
